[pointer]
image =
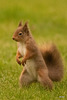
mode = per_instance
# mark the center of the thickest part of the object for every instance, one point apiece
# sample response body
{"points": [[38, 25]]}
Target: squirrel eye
{"points": [[20, 33]]}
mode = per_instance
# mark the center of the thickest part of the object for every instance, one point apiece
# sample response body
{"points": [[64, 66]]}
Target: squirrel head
{"points": [[21, 33]]}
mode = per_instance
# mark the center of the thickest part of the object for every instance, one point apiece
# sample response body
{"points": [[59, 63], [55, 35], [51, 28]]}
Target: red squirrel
{"points": [[40, 64]]}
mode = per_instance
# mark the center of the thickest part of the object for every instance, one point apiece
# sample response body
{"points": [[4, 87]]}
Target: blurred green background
{"points": [[48, 23]]}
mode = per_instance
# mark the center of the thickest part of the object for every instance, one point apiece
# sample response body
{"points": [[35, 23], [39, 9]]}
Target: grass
{"points": [[48, 22]]}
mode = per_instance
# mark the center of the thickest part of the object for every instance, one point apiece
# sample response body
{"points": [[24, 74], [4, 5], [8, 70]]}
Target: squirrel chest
{"points": [[30, 64]]}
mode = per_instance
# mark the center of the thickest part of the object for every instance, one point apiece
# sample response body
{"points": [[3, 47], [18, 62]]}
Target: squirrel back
{"points": [[53, 61]]}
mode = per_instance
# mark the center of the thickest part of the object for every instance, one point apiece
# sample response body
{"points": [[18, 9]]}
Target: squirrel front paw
{"points": [[18, 61], [23, 62]]}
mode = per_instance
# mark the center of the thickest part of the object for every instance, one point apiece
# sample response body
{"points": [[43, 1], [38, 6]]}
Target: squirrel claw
{"points": [[19, 62], [23, 62]]}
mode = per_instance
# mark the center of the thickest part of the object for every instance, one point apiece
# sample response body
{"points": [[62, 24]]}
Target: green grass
{"points": [[48, 23]]}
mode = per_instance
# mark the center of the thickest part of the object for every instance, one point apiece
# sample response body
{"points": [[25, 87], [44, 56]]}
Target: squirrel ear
{"points": [[20, 23], [26, 24], [25, 28]]}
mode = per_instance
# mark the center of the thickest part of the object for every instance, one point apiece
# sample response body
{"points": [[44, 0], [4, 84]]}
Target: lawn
{"points": [[48, 23]]}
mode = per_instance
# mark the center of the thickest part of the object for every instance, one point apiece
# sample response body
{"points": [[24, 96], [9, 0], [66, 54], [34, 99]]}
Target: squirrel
{"points": [[40, 64]]}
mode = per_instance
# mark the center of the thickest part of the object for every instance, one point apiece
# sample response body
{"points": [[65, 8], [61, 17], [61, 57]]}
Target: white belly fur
{"points": [[22, 49], [30, 64]]}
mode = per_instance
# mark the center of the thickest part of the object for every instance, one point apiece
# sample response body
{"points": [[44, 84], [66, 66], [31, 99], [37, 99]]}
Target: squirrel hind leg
{"points": [[44, 79], [25, 79]]}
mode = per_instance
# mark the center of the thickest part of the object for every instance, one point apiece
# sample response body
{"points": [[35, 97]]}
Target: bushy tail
{"points": [[53, 61]]}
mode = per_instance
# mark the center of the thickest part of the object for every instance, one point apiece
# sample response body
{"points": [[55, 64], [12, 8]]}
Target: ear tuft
{"points": [[20, 24], [25, 28], [26, 24]]}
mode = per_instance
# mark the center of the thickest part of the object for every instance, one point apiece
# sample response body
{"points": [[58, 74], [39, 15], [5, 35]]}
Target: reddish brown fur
{"points": [[43, 79], [18, 56], [53, 61], [31, 56]]}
